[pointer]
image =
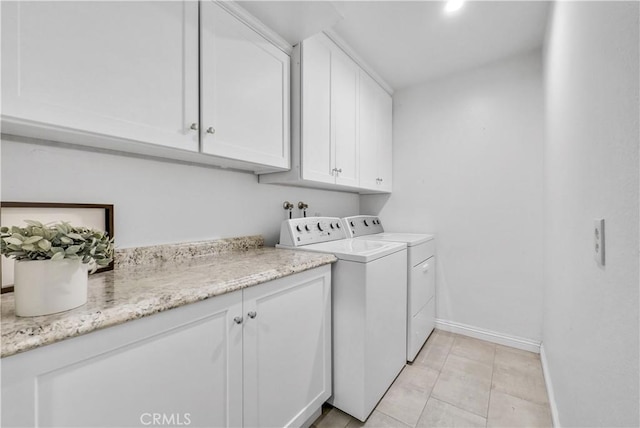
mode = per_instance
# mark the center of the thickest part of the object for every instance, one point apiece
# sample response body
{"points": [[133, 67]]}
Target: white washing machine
{"points": [[421, 290], [369, 309]]}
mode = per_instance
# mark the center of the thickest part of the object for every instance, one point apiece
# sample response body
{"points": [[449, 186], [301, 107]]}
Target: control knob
{"points": [[352, 225], [306, 227], [319, 227], [366, 224], [298, 228], [331, 224], [338, 225]]}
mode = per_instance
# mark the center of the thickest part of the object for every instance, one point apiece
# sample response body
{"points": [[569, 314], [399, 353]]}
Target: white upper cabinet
{"points": [[341, 122], [329, 105], [244, 91], [344, 109], [121, 69], [375, 136], [317, 141], [175, 79]]}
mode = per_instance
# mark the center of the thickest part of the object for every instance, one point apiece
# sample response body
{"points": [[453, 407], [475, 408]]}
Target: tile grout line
{"points": [[486, 418], [395, 419], [434, 383], [493, 370]]}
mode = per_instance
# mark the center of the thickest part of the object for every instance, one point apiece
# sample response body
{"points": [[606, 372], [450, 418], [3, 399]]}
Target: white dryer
{"points": [[369, 309], [421, 291]]}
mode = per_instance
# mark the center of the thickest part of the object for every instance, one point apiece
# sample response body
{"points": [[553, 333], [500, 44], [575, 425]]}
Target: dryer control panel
{"points": [[361, 225], [310, 230]]}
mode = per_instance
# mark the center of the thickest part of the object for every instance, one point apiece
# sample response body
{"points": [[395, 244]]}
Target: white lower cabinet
{"points": [[260, 357]]}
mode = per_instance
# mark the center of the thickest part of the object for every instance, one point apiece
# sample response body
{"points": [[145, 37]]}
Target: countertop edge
{"points": [[75, 326]]}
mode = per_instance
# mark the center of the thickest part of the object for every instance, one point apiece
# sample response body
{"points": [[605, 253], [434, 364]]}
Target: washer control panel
{"points": [[311, 230], [361, 225]]}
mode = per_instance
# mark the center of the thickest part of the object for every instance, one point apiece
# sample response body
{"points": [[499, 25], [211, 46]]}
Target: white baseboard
{"points": [[547, 380], [489, 336]]}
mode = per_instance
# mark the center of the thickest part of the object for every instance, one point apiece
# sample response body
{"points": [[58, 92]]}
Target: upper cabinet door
{"points": [[329, 82], [369, 132], [317, 143], [122, 69], [385, 148], [244, 93], [375, 135], [344, 114]]}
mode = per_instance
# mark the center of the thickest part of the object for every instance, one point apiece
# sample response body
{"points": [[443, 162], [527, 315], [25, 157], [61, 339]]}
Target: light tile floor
{"points": [[458, 381]]}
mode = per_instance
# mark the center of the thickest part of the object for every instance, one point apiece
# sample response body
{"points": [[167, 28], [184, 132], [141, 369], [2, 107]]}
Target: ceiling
{"points": [[409, 42]]}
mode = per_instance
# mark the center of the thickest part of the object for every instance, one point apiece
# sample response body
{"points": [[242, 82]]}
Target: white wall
{"points": [[159, 202], [468, 167], [591, 159]]}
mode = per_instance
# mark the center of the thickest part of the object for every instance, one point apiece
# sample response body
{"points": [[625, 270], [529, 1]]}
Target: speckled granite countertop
{"points": [[133, 290]]}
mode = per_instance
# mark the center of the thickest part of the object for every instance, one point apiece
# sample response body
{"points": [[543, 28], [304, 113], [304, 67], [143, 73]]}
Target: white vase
{"points": [[44, 287]]}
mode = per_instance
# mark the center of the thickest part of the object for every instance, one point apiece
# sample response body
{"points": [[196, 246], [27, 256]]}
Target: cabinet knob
{"points": [[339, 170], [194, 126], [237, 320], [210, 130], [252, 314]]}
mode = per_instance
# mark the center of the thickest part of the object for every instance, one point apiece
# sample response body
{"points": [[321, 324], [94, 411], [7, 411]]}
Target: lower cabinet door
{"points": [[178, 368], [287, 349]]}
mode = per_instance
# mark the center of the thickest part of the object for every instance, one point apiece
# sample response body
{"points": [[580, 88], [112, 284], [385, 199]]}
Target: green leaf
{"points": [[71, 250], [12, 240], [66, 240], [44, 244], [18, 236], [75, 236], [58, 256], [32, 239], [34, 223], [29, 247], [17, 253], [62, 228]]}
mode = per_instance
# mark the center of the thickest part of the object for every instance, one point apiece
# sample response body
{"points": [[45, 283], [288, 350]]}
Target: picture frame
{"points": [[98, 216]]}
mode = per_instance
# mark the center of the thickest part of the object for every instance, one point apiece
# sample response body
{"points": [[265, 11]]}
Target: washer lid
{"points": [[356, 250], [411, 239]]}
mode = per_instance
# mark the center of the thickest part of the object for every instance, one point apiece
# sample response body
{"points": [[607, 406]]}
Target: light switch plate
{"points": [[598, 240]]}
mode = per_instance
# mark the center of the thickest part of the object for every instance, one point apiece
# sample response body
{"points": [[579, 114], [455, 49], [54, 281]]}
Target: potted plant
{"points": [[52, 264]]}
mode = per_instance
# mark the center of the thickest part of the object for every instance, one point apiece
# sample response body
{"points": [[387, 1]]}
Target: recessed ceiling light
{"points": [[453, 5]]}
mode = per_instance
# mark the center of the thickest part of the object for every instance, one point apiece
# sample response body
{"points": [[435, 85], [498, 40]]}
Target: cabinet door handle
{"points": [[237, 320], [252, 314], [210, 130], [194, 126], [425, 267]]}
